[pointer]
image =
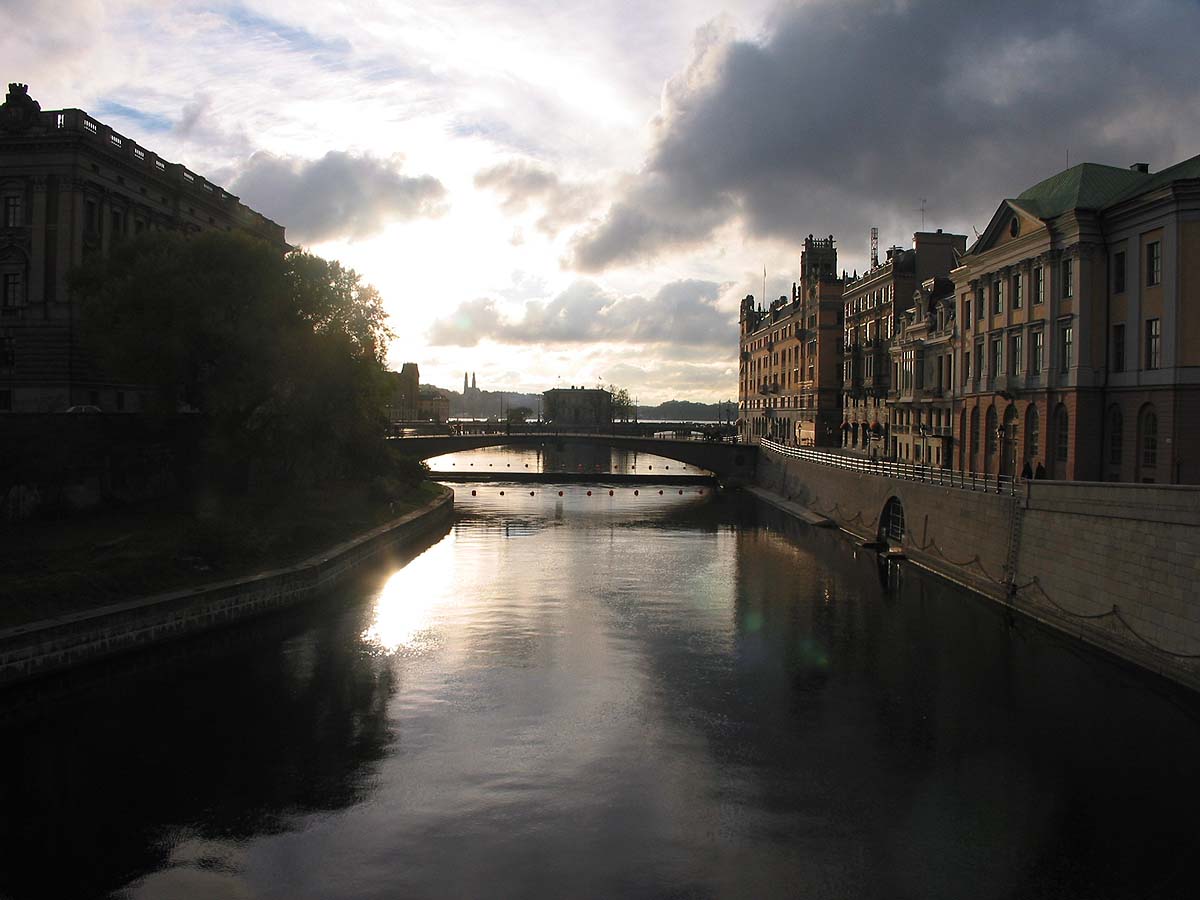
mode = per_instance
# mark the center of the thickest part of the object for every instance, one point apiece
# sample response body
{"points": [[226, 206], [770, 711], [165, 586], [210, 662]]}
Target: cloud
{"points": [[338, 195], [847, 112], [684, 312], [522, 183]]}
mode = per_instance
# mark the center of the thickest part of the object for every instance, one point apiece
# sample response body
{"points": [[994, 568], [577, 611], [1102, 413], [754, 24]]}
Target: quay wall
{"points": [[1115, 565], [52, 645]]}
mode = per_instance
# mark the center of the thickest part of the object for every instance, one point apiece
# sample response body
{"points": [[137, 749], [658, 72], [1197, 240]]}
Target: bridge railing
{"points": [[955, 478]]}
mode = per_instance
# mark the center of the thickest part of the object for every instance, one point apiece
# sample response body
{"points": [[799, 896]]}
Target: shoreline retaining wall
{"points": [[56, 644], [1115, 565]]}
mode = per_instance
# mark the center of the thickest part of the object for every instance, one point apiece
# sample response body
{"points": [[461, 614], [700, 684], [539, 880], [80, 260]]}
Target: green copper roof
{"points": [[1189, 168], [1085, 186]]}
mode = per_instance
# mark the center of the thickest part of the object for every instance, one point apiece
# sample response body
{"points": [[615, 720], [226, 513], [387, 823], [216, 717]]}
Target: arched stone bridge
{"points": [[729, 462]]}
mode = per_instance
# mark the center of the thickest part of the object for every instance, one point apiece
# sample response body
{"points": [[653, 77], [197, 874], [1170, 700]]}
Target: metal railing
{"points": [[955, 478]]}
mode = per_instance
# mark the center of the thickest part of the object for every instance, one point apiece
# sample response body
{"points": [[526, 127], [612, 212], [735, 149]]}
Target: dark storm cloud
{"points": [[683, 312], [848, 112], [521, 183], [338, 195]]}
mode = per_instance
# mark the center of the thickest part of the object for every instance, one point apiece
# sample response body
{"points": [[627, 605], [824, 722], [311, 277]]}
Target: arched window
{"points": [[990, 435], [1116, 437], [1033, 432], [1148, 429], [1062, 433]]}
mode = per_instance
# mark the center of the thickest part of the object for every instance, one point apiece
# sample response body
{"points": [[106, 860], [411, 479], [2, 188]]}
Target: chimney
{"points": [[1144, 168]]}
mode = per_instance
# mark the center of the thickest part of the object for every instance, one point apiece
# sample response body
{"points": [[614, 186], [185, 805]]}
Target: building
{"points": [[71, 187], [922, 398], [405, 396], [1079, 311], [577, 407], [873, 305], [433, 406], [789, 381]]}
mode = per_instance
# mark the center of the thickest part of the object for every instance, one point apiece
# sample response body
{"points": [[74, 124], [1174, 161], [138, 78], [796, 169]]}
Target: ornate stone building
{"points": [[578, 407], [873, 304], [70, 187], [788, 376], [1080, 328], [922, 397]]}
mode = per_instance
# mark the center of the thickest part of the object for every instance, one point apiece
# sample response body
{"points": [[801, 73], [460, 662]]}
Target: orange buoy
{"points": [[531, 493], [635, 493], [610, 493], [502, 493], [560, 493], [681, 492], [472, 493], [589, 493], [660, 491]]}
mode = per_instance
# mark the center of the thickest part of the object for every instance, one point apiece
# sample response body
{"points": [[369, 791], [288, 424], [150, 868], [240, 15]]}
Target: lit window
{"points": [[1039, 285], [1037, 352], [1066, 347], [1068, 279], [1017, 299]]}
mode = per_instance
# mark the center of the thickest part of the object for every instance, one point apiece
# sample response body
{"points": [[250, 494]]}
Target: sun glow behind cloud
{"points": [[680, 142]]}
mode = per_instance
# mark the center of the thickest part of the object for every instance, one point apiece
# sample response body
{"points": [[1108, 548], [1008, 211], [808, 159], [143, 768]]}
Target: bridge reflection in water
{"points": [[578, 460]]}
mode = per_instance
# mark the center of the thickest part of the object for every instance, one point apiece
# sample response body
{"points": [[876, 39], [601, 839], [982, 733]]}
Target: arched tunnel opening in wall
{"points": [[891, 522]]}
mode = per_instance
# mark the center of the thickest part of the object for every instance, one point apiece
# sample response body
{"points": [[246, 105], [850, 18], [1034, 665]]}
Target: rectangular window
{"points": [[1018, 298], [980, 309], [1066, 348], [997, 297], [967, 310], [1037, 352], [1068, 279], [1039, 285], [1014, 353], [8, 352], [978, 360], [12, 212], [1118, 275], [966, 365], [1118, 348], [12, 289], [996, 362], [1153, 343], [1153, 263]]}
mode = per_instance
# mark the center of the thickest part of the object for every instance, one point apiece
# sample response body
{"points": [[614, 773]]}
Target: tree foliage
{"points": [[281, 354]]}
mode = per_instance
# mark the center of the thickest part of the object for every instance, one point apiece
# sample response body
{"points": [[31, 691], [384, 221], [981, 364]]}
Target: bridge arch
{"points": [[723, 459], [891, 521]]}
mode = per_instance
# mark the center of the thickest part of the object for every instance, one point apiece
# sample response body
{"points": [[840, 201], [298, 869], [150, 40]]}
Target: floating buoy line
{"points": [[637, 492]]}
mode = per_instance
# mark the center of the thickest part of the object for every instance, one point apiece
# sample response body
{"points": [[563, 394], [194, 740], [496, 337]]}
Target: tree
{"points": [[622, 403], [280, 354]]}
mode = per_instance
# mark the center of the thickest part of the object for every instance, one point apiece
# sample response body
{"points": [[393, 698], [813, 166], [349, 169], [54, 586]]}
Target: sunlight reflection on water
{"points": [[409, 602]]}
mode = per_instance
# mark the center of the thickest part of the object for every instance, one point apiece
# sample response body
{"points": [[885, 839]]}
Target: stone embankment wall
{"points": [[48, 646], [1116, 565]]}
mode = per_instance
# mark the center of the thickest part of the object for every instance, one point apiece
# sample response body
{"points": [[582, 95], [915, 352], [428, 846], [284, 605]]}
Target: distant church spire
{"points": [[464, 382], [472, 381]]}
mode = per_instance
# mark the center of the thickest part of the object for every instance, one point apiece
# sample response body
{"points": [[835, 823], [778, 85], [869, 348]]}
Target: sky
{"points": [[557, 193]]}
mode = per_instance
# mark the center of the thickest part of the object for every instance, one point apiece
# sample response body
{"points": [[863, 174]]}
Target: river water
{"points": [[652, 695]]}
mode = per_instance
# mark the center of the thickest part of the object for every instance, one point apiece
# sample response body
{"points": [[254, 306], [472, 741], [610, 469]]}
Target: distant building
{"points": [[71, 187], [577, 407], [404, 402], [873, 304], [789, 382], [433, 406]]}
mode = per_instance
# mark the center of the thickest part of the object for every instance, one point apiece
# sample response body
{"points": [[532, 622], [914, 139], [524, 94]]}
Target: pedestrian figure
{"points": [[1027, 472], [1041, 471]]}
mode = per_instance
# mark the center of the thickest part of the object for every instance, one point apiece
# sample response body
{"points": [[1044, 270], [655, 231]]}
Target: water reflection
{"points": [[647, 696], [574, 458], [404, 610]]}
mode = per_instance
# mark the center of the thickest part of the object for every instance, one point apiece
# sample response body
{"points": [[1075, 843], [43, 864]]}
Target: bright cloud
{"points": [[545, 189]]}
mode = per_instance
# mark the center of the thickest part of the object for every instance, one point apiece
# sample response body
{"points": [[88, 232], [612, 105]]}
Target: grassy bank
{"points": [[53, 567]]}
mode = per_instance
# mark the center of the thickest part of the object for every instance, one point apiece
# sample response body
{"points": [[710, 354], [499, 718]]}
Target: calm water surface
{"points": [[652, 696]]}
